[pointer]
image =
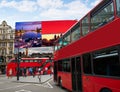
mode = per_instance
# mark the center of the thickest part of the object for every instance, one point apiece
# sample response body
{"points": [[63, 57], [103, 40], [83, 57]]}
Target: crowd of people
{"points": [[29, 71]]}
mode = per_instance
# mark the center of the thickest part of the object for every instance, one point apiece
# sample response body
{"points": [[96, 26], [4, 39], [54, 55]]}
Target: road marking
{"points": [[49, 85], [15, 87], [46, 85], [23, 90]]}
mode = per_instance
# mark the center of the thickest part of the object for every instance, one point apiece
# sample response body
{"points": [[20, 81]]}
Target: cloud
{"points": [[95, 3], [45, 4], [74, 9], [39, 10], [23, 5]]}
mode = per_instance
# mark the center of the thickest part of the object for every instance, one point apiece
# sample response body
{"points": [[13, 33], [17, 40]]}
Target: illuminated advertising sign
{"points": [[36, 38], [28, 34]]}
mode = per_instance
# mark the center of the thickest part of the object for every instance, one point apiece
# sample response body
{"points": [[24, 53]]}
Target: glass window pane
{"points": [[102, 16], [66, 39], [85, 26], [106, 63], [75, 33], [118, 7], [87, 63]]}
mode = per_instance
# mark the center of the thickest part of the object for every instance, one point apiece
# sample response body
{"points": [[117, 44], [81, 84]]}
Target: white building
{"points": [[6, 44]]}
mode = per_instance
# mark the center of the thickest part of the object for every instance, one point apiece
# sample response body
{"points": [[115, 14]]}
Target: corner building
{"points": [[6, 45]]}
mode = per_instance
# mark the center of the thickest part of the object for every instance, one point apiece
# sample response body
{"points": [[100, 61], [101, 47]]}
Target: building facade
{"points": [[6, 44]]}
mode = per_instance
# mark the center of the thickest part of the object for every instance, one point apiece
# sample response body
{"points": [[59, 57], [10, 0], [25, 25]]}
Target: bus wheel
{"points": [[60, 82], [105, 90]]}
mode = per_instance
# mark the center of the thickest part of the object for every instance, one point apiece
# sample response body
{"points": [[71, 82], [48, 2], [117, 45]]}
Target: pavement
{"points": [[37, 79], [30, 79]]}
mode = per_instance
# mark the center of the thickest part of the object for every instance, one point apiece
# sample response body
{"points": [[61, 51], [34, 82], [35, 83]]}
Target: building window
{"points": [[11, 44], [3, 44], [11, 36], [10, 51]]}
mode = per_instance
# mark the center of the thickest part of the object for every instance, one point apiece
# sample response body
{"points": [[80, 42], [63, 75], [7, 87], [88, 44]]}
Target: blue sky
{"points": [[42, 10]]}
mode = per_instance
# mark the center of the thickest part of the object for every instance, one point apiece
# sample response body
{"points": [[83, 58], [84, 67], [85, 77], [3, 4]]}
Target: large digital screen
{"points": [[28, 34], [37, 39]]}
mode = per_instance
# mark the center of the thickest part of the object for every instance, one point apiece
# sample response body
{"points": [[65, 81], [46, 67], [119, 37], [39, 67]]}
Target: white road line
{"points": [[15, 87], [46, 85], [22, 90], [50, 85]]}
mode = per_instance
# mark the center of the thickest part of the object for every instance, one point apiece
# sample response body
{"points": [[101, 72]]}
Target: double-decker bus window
{"points": [[66, 65], [56, 47], [66, 39], [59, 65], [39, 60], [31, 60], [87, 63], [85, 26], [26, 60], [75, 33], [21, 60], [35, 61], [60, 43], [106, 63], [102, 15], [118, 7]]}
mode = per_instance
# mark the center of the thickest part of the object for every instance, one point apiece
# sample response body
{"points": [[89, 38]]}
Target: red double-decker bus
{"points": [[87, 56], [26, 63]]}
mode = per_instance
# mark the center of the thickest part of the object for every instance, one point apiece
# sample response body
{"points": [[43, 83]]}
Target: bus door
{"points": [[76, 74], [55, 71]]}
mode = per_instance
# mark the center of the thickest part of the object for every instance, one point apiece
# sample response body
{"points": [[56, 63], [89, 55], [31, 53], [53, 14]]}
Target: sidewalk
{"points": [[2, 75], [30, 79]]}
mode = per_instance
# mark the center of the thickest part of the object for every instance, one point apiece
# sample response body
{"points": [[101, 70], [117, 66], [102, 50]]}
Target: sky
{"points": [[13, 11]]}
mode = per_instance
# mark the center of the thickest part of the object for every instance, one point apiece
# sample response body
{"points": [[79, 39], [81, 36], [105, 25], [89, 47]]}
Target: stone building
{"points": [[6, 44]]}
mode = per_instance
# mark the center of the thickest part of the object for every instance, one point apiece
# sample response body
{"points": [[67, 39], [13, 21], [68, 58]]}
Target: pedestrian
{"points": [[31, 71], [39, 74], [10, 73], [24, 72], [34, 70]]}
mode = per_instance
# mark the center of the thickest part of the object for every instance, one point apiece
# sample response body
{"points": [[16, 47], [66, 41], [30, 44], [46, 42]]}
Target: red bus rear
{"points": [[87, 56]]}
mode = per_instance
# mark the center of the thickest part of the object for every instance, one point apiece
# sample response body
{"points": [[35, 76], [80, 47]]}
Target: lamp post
{"points": [[18, 65], [18, 62]]}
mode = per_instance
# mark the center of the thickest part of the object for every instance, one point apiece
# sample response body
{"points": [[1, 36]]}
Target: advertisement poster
{"points": [[28, 34]]}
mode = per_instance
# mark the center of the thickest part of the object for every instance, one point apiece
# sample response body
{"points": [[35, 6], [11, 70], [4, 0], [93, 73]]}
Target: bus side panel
{"points": [[105, 36], [13, 67], [30, 64], [100, 83], [66, 80]]}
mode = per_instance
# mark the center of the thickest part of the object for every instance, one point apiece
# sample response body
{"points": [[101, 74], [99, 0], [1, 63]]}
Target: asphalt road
{"points": [[10, 85]]}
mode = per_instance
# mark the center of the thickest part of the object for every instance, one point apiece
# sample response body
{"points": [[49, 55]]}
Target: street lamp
{"points": [[18, 62], [18, 65]]}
